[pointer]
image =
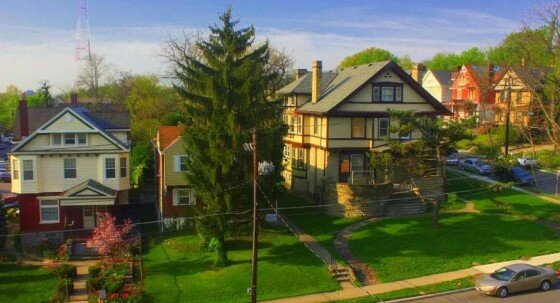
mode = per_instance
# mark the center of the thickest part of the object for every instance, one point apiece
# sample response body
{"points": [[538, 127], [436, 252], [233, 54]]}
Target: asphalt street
{"points": [[536, 296]]}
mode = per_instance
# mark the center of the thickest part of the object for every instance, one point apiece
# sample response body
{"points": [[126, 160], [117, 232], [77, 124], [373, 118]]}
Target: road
{"points": [[475, 297]]}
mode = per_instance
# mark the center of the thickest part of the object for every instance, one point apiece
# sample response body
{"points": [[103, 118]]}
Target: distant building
{"points": [[438, 84]]}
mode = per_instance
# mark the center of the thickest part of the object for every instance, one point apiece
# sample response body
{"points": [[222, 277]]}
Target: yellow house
{"points": [[516, 90], [336, 117], [69, 164]]}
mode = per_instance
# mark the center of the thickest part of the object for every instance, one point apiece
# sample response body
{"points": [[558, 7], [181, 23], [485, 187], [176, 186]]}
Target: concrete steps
{"points": [[405, 204], [80, 293], [341, 274]]}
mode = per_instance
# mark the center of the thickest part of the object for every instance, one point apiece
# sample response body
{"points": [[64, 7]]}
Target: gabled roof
{"points": [[168, 135], [81, 113], [338, 86], [532, 77], [442, 76], [98, 190], [105, 118]]}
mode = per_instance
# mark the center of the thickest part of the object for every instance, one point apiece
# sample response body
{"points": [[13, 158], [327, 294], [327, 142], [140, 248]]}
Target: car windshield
{"points": [[503, 274], [479, 164]]}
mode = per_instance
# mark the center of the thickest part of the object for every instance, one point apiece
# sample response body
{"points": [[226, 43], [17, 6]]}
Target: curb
{"points": [[430, 295]]}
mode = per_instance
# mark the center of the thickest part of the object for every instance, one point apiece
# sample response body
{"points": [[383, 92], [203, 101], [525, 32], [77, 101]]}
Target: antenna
{"points": [[83, 48]]}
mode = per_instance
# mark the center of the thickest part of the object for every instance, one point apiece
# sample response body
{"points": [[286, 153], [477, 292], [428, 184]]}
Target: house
{"points": [[336, 118], [174, 195], [69, 163], [517, 88], [438, 84], [472, 92]]}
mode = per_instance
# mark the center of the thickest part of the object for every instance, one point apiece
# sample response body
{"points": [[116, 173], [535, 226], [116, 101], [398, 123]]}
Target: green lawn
{"points": [[413, 292], [507, 201], [177, 271], [20, 283], [404, 248], [322, 227]]}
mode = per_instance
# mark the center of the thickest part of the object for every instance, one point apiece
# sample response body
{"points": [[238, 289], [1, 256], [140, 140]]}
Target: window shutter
{"points": [[175, 197], [177, 163]]}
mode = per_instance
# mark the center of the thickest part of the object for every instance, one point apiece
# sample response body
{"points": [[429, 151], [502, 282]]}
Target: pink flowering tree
{"points": [[114, 242]]}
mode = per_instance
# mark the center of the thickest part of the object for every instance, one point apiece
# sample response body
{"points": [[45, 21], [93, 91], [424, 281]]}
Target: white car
{"points": [[527, 161]]}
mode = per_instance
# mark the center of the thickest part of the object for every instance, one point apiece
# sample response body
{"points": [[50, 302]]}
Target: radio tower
{"points": [[83, 48]]}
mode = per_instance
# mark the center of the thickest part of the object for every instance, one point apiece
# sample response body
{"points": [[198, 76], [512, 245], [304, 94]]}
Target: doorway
{"points": [[89, 218]]}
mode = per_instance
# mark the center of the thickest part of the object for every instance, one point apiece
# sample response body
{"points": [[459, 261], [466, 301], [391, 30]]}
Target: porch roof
{"points": [[89, 192]]}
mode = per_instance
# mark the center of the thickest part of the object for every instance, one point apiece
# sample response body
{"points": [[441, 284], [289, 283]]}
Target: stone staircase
{"points": [[407, 203], [341, 274], [81, 252], [80, 293]]}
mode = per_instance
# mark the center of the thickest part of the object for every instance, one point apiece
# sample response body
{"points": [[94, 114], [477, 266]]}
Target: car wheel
{"points": [[502, 292], [545, 285]]}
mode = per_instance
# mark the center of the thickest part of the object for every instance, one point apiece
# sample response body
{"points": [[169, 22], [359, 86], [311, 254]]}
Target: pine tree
{"points": [[226, 92]]}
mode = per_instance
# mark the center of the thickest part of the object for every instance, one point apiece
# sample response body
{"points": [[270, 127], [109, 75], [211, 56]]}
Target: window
{"points": [[376, 93], [82, 139], [518, 97], [69, 139], [291, 124], [383, 129], [182, 163], [358, 128], [56, 139], [15, 169], [299, 124], [70, 168], [109, 168], [315, 125], [398, 94], [123, 167], [298, 158], [405, 137], [49, 211], [183, 196], [27, 170], [286, 151], [532, 273], [518, 116], [387, 94], [357, 163]]}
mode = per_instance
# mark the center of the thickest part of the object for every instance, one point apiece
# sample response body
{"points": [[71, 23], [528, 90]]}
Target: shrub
{"points": [[94, 271], [95, 283], [548, 159], [63, 287], [113, 285], [118, 270], [65, 271]]}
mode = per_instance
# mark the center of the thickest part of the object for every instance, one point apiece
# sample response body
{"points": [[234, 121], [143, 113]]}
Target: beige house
{"points": [[69, 164], [438, 84], [336, 117]]}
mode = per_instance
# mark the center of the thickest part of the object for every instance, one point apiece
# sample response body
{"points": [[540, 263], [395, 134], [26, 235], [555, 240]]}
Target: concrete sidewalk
{"points": [[352, 293]]}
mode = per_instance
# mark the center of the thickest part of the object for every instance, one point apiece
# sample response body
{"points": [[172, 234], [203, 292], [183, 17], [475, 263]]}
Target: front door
{"points": [[89, 219], [344, 168]]}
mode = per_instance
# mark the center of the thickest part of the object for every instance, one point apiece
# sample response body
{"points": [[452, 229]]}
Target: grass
{"points": [[22, 283], [177, 271], [415, 291], [321, 226], [507, 201], [404, 248]]}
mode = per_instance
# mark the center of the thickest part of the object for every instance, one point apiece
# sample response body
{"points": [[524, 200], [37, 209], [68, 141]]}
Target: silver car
{"points": [[516, 277], [475, 165]]}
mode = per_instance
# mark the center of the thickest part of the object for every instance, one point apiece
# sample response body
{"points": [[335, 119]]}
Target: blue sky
{"points": [[37, 36]]}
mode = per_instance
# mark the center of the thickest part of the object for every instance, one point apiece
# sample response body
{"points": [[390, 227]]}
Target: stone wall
{"points": [[354, 200]]}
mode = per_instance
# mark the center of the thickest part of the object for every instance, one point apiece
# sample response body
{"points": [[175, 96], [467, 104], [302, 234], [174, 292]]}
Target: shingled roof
{"points": [[105, 118], [167, 135], [337, 86], [442, 76]]}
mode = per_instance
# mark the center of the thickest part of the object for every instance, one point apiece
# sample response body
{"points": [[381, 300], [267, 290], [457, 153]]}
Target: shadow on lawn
{"points": [[479, 236]]}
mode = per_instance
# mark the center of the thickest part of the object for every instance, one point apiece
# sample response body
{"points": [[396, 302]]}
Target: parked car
{"points": [[475, 165], [5, 175], [3, 145], [515, 278], [453, 159], [7, 139], [521, 176], [3, 163], [527, 161]]}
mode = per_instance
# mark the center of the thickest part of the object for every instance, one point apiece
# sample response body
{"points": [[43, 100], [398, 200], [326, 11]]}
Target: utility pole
{"points": [[255, 220], [508, 110]]}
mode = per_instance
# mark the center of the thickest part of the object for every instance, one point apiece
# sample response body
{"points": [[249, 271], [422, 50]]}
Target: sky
{"points": [[37, 37]]}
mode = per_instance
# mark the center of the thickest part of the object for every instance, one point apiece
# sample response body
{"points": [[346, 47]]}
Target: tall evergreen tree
{"points": [[227, 93]]}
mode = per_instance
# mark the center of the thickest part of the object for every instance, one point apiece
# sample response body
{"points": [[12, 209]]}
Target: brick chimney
{"points": [[317, 73], [23, 117], [490, 74], [73, 99], [300, 72], [416, 72]]}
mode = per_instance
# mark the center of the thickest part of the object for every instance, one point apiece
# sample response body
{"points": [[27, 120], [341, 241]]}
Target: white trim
{"points": [[105, 168], [51, 198]]}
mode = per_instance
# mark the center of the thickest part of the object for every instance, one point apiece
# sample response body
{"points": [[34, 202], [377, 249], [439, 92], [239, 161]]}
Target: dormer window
{"points": [[68, 139]]}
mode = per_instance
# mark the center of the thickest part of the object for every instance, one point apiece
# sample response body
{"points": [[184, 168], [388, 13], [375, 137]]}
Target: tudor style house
{"points": [[438, 84], [336, 117], [516, 90], [69, 163], [472, 92], [174, 196]]}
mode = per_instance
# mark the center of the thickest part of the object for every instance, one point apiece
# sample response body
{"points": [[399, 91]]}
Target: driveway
{"points": [[475, 297]]}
